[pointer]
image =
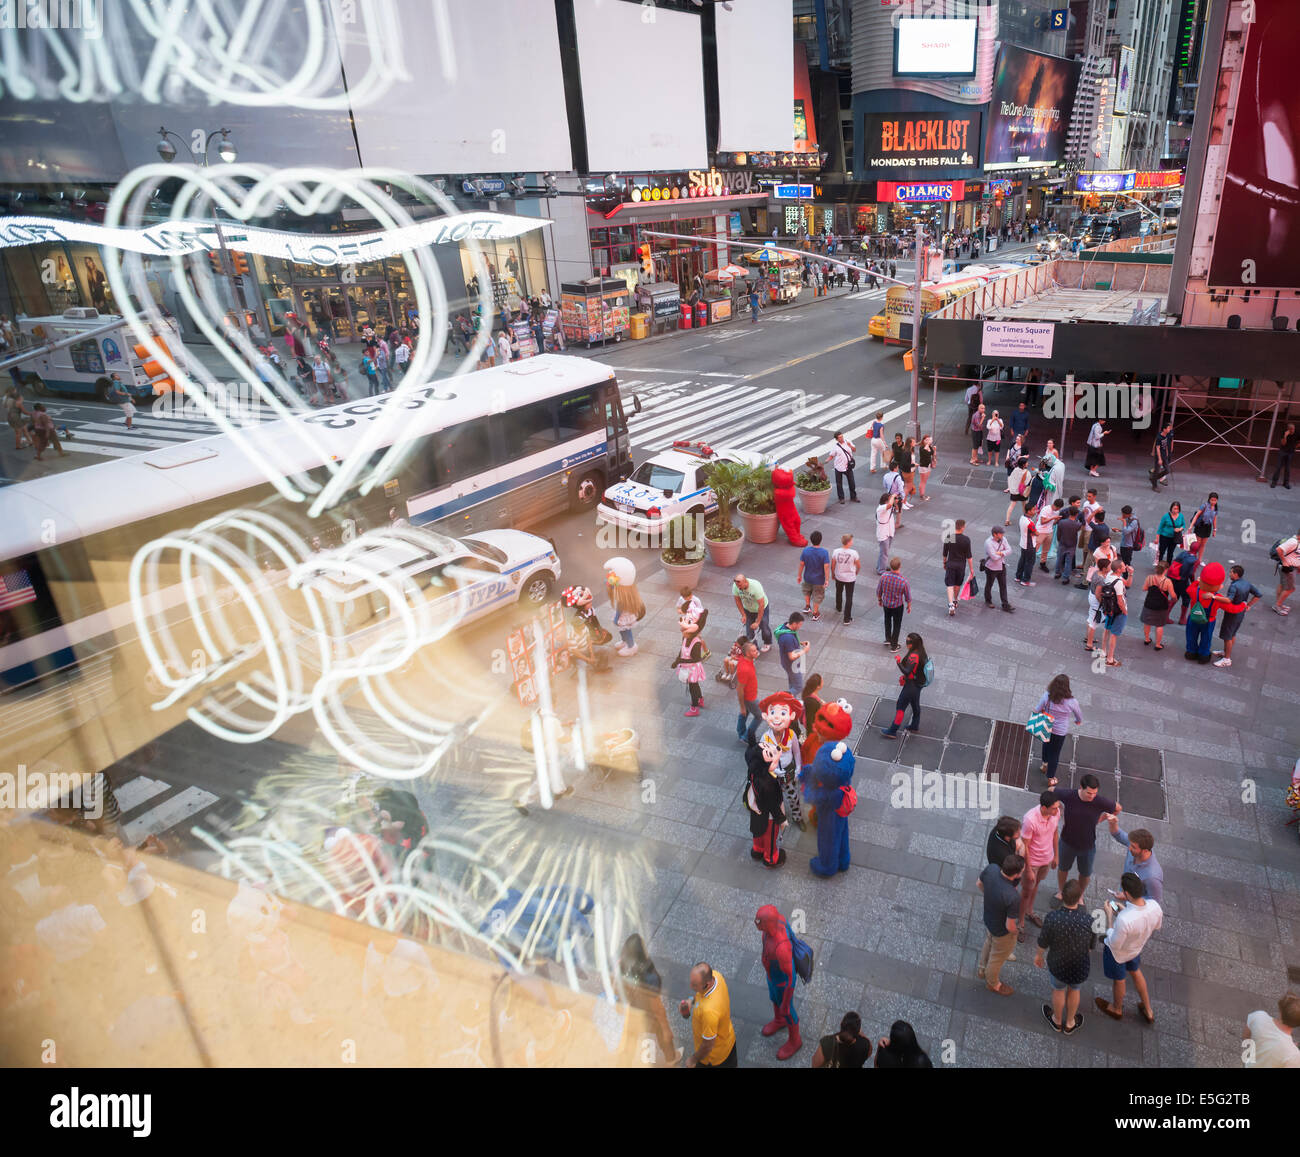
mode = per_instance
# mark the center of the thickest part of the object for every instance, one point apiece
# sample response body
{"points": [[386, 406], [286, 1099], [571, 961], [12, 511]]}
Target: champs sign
{"points": [[924, 191]]}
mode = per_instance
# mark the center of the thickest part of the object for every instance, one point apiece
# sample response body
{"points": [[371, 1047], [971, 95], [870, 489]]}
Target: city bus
{"points": [[498, 449]]}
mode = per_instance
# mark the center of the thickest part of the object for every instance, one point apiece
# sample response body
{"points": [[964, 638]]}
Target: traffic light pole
{"points": [[913, 422]]}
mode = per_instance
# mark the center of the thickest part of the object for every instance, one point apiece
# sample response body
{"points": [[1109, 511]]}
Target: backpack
{"points": [[1139, 535], [927, 673], [848, 801], [1108, 598], [802, 956], [1198, 615], [1273, 553]]}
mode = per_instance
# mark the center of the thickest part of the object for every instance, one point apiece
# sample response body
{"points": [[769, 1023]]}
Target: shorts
{"points": [[994, 447], [1202, 533], [976, 439], [925, 471], [815, 590], [1060, 985], [954, 576], [1230, 625], [1068, 856], [1113, 969], [1116, 626], [1093, 619], [128, 409], [1286, 579]]}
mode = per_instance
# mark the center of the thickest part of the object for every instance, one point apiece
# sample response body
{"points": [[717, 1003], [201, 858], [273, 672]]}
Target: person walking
{"points": [[1285, 452], [900, 1050], [911, 678], [993, 439], [381, 366], [846, 1049], [1064, 945], [747, 692], [885, 527], [845, 567], [689, 663], [751, 602], [814, 561], [927, 456], [1205, 524], [778, 962], [894, 595], [1113, 601], [1000, 885], [118, 396], [709, 1012], [994, 566], [906, 466], [1140, 858], [976, 434], [1288, 561], [1040, 831], [1025, 563], [1084, 808], [402, 354], [879, 448], [1162, 452], [842, 459], [1272, 1037], [1170, 532], [791, 651], [1240, 590], [957, 563], [753, 305], [43, 432], [1096, 454], [1158, 598], [1020, 421], [1059, 702], [1018, 487], [370, 372], [1121, 956]]}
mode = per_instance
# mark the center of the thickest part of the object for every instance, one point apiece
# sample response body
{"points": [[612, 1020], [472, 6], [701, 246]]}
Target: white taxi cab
{"points": [[461, 580], [674, 481]]}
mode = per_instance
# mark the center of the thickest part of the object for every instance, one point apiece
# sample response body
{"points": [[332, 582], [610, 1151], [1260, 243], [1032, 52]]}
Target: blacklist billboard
{"points": [[1033, 97], [1257, 239], [914, 146]]}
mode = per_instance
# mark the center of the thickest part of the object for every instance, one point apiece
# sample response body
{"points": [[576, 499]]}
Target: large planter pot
{"points": [[683, 576], [724, 553], [814, 501], [759, 527]]}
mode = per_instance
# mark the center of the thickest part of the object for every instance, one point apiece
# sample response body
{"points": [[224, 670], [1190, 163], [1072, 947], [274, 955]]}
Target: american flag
{"points": [[15, 590]]}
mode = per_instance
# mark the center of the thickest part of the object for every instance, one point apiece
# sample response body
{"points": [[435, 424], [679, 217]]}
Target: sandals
{"points": [[1036, 921], [1113, 663], [1160, 646], [1102, 1006], [1001, 989]]}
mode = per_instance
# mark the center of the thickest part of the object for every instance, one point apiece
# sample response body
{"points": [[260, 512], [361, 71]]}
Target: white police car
{"points": [[674, 481], [461, 579]]}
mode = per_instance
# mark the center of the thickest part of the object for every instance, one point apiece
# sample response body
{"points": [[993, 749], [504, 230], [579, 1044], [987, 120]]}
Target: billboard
{"points": [[1258, 231], [935, 47], [1124, 82], [750, 116], [923, 192], [1033, 96], [1108, 182], [920, 145]]}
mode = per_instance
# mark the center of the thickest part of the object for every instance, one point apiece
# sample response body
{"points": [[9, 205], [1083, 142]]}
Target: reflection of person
{"points": [[95, 283]]}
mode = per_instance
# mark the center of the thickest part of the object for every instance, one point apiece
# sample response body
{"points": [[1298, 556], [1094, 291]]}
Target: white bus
{"points": [[559, 438]]}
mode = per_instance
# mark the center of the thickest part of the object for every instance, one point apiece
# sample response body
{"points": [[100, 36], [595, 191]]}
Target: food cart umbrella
{"points": [[718, 275], [735, 270]]}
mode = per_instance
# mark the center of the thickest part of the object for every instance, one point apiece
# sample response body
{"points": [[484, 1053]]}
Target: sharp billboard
{"points": [[1033, 96]]}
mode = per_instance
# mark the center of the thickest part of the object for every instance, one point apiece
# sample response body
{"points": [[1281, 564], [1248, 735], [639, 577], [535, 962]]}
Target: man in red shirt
{"points": [[747, 692]]}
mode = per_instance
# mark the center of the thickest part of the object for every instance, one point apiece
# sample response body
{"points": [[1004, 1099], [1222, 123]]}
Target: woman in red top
{"points": [[1205, 603]]}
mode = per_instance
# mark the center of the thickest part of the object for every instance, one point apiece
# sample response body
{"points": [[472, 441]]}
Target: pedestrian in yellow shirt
{"points": [[710, 1013]]}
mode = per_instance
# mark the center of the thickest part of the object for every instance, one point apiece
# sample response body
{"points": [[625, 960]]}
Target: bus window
{"points": [[526, 430], [579, 413], [458, 453]]}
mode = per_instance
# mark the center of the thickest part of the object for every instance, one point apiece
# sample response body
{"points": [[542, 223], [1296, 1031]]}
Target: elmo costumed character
{"points": [[831, 771], [783, 496], [832, 723], [778, 963]]}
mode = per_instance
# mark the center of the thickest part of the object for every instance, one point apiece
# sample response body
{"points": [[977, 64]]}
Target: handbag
{"points": [[1039, 725]]}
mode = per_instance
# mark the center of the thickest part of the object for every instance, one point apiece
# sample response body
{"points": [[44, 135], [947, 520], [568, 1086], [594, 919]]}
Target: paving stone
{"points": [[917, 749], [1141, 797], [971, 729], [962, 759], [935, 724], [1098, 753], [1139, 762]]}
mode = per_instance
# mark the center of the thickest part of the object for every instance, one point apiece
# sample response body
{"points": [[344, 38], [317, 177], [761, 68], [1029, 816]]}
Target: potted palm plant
{"points": [[727, 480], [682, 554], [757, 504], [813, 486]]}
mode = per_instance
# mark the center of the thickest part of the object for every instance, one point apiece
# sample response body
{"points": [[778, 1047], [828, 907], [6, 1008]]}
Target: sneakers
{"points": [[907, 506], [691, 712], [816, 616], [952, 609], [1224, 662]]}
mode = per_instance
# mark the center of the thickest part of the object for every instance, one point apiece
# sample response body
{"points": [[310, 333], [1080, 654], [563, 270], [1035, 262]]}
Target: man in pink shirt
{"points": [[1039, 830]]}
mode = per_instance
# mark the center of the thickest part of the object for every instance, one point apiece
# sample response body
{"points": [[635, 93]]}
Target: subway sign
{"points": [[925, 191]]}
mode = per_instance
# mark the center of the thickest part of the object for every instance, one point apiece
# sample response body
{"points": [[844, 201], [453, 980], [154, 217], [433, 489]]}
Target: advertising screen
{"points": [[1104, 182], [922, 144], [1033, 96], [1259, 214], [934, 47]]}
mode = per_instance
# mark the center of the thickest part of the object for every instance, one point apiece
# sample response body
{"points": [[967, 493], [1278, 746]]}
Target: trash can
{"points": [[685, 322], [701, 315], [640, 323]]}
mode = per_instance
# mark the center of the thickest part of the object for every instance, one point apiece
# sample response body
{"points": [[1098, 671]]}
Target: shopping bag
{"points": [[968, 591], [1039, 725]]}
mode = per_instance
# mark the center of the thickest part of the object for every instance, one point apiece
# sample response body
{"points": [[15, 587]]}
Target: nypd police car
{"points": [[674, 481], [461, 579]]}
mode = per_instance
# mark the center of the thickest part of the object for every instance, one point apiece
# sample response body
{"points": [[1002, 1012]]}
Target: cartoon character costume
{"points": [[626, 601], [778, 963], [831, 772], [786, 512], [689, 662], [1204, 606], [832, 723], [764, 800], [781, 712], [579, 600]]}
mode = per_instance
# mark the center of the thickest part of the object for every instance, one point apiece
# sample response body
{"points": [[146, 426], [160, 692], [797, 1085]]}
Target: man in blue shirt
{"points": [[813, 561], [1140, 859], [1239, 589], [1020, 419], [792, 652]]}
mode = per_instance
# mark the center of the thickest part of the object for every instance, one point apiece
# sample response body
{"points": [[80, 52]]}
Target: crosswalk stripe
{"points": [[681, 416], [172, 811], [766, 426], [664, 397], [139, 790], [698, 374]]}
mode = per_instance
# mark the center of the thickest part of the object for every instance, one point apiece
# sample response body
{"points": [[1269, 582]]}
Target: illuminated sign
{"points": [[923, 192], [697, 183], [1160, 179], [922, 144], [179, 238], [484, 185], [789, 160], [1110, 182], [791, 191]]}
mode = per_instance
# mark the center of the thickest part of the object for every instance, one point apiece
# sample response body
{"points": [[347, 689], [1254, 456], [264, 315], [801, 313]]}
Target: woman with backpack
{"points": [[912, 676], [1170, 532], [1059, 702], [976, 434], [370, 369], [1205, 524], [846, 1049], [1158, 599]]}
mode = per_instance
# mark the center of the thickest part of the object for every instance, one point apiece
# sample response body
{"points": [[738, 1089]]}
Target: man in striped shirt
{"points": [[893, 594]]}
